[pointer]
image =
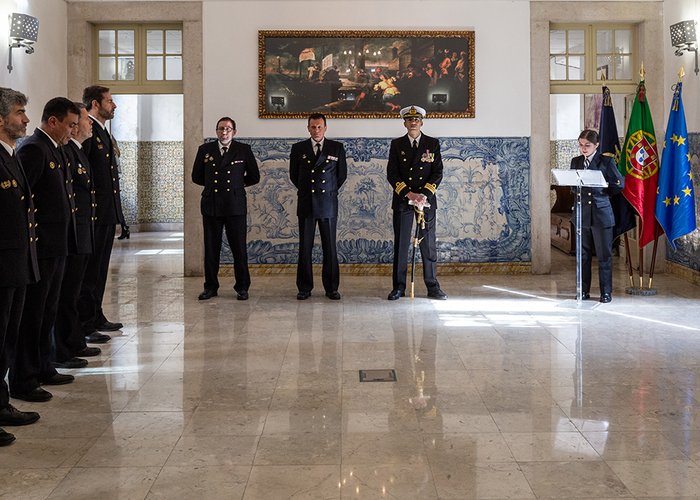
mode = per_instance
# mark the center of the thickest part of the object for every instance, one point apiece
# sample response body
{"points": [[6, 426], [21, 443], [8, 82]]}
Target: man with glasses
{"points": [[225, 168], [414, 172]]}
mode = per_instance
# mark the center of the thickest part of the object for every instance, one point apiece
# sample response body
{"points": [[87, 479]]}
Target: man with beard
{"points": [[46, 169], [18, 263], [101, 156]]}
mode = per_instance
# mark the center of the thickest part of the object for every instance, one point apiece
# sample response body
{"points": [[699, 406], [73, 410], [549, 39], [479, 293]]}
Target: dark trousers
{"points": [[11, 304], [236, 234], [403, 234], [600, 238], [330, 272], [32, 362], [68, 334], [92, 290]]}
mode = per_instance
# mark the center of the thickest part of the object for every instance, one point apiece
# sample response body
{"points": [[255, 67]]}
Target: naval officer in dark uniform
{"points": [[597, 218], [225, 168], [414, 172], [18, 262], [317, 168], [45, 166], [99, 151], [69, 340]]}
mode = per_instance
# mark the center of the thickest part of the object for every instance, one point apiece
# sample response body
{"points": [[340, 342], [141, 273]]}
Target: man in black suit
{"points": [[317, 167], [46, 169], [18, 262], [225, 168], [597, 218], [108, 213], [69, 340], [414, 172]]}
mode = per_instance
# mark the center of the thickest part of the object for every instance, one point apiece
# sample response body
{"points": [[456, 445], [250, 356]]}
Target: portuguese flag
{"points": [[639, 164]]}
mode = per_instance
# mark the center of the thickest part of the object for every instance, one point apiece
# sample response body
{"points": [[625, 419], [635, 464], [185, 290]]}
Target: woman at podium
{"points": [[597, 219]]}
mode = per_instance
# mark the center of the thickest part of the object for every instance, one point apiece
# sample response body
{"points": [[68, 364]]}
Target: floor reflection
{"points": [[506, 390]]}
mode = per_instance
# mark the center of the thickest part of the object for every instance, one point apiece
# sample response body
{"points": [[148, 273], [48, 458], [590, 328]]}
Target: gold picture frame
{"points": [[365, 74]]}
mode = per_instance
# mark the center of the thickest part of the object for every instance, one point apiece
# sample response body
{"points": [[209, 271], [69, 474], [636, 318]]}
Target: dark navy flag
{"points": [[610, 146], [675, 203]]}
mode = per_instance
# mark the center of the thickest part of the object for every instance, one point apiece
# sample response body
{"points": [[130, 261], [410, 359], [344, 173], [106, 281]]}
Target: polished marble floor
{"points": [[506, 390]]}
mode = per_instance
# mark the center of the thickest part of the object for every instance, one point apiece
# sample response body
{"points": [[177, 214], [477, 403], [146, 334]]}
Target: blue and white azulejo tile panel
{"points": [[483, 203]]}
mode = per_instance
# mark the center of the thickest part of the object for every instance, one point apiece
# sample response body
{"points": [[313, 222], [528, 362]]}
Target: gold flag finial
{"points": [[681, 73], [641, 72], [602, 75]]}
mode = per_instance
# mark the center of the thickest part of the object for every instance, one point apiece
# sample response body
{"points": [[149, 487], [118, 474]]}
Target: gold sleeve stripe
{"points": [[431, 187], [400, 187]]}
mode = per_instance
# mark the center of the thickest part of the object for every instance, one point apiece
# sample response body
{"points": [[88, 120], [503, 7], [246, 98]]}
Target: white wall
{"points": [[230, 67], [41, 75], [676, 11], [148, 117]]}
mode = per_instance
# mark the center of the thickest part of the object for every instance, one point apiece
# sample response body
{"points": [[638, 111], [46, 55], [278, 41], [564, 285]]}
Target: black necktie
{"points": [[223, 150], [415, 146], [318, 149], [586, 164]]}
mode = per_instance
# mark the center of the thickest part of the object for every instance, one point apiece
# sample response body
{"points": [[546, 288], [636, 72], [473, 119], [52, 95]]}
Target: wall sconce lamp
{"points": [[24, 31], [683, 39], [277, 101]]}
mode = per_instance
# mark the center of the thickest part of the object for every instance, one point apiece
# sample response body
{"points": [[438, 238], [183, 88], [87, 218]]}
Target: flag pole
{"points": [[628, 255]]}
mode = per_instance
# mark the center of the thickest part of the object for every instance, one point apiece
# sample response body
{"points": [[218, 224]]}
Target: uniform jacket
{"points": [[596, 207], [18, 264], [51, 185], [84, 197], [419, 173], [105, 176], [317, 179], [225, 178]]}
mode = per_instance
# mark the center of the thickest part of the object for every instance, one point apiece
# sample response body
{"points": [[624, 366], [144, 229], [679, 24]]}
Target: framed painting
{"points": [[365, 74]]}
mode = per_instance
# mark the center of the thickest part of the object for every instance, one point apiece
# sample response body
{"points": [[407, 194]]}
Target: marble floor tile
{"points": [[503, 391], [304, 482]]}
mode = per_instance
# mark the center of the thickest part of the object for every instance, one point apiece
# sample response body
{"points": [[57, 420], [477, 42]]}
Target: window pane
{"points": [[154, 68], [107, 68], [557, 67], [173, 68], [126, 68], [106, 41], [125, 40], [604, 65], [577, 42], [557, 42], [173, 42], [603, 41], [577, 70], [623, 68], [622, 41], [154, 42]]}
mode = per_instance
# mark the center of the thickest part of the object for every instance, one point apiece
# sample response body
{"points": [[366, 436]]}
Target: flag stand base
{"points": [[635, 290]]}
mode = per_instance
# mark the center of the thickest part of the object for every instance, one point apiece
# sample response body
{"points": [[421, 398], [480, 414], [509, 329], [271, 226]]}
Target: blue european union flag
{"points": [[675, 202]]}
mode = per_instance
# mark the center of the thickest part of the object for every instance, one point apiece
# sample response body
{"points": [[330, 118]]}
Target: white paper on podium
{"points": [[572, 177]]}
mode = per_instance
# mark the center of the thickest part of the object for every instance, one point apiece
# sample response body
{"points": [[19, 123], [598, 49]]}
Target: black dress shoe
{"points": [[108, 326], [437, 294], [97, 338], [57, 379], [333, 295], [396, 295], [242, 295], [70, 363], [605, 298], [585, 296], [303, 295], [37, 395], [12, 416], [207, 294], [88, 352], [6, 438]]}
